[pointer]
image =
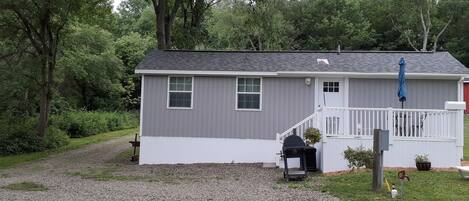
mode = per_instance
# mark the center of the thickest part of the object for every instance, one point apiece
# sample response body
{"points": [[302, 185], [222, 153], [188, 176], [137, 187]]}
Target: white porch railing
{"points": [[401, 123], [360, 122]]}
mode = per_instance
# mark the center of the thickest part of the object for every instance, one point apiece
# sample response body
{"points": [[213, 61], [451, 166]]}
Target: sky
{"points": [[115, 4]]}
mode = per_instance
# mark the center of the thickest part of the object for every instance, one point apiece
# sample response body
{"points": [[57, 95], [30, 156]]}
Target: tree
{"points": [[131, 49], [39, 26], [240, 25], [166, 12], [90, 73], [132, 14], [323, 24], [422, 14], [455, 40]]}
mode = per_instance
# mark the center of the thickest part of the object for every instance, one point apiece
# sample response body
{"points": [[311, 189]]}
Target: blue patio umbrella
{"points": [[402, 93]]}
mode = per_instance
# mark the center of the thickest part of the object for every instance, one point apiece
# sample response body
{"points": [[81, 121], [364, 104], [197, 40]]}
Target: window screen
{"points": [[249, 93], [180, 92]]}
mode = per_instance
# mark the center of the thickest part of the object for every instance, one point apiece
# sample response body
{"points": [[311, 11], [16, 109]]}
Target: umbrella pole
{"points": [[402, 105]]}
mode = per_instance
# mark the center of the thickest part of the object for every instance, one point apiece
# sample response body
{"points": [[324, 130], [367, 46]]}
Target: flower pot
{"points": [[424, 166]]}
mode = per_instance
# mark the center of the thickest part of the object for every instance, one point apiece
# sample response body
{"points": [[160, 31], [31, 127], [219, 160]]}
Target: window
{"points": [[180, 92], [248, 93], [330, 86]]}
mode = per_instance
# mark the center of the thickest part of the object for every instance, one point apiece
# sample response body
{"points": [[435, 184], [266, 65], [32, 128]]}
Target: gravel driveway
{"points": [[96, 172]]}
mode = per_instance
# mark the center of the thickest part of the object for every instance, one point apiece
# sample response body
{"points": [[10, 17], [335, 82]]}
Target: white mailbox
{"points": [[455, 105]]}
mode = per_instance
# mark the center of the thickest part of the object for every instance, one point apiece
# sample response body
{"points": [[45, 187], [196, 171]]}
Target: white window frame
{"points": [[260, 95], [329, 82], [169, 91]]}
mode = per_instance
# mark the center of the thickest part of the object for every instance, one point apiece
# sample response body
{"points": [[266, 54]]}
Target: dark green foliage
{"points": [[19, 136], [359, 157], [83, 84], [81, 124], [55, 138]]}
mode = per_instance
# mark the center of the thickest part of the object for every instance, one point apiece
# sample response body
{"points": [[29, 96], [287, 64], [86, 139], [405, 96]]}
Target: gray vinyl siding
{"points": [[421, 94], [285, 101]]}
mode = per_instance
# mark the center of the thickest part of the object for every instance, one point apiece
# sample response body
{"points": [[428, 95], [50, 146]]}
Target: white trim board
{"points": [[301, 74], [187, 150], [461, 89], [142, 85]]}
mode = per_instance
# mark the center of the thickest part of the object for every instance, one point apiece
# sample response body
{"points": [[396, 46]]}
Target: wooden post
{"points": [[377, 161]]}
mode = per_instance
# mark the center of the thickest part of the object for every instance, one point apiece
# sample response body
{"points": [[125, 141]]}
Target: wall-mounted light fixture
{"points": [[308, 81]]}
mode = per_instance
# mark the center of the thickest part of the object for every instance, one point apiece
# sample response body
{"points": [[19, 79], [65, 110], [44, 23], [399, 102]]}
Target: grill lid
{"points": [[293, 141]]}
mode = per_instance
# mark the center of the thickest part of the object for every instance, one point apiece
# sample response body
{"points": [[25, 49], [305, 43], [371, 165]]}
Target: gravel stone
{"points": [[155, 182]]}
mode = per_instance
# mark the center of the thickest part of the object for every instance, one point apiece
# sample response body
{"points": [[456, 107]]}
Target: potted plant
{"points": [[312, 136], [423, 163]]}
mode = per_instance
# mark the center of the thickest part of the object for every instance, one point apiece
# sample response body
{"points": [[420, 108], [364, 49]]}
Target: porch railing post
{"points": [[459, 124], [278, 156], [346, 119], [322, 123], [390, 124]]}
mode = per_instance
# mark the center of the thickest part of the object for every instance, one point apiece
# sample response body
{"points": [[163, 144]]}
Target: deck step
{"points": [[269, 165], [296, 172]]}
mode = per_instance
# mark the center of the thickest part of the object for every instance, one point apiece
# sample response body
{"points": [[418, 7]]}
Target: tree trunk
{"points": [[197, 13], [435, 43], [45, 92], [44, 109], [167, 35], [160, 11]]}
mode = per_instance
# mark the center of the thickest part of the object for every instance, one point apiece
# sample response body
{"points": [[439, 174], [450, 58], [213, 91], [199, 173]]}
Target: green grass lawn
{"points": [[75, 143], [422, 186], [25, 186]]}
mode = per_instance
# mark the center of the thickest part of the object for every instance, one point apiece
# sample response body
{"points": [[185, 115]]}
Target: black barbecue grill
{"points": [[294, 147]]}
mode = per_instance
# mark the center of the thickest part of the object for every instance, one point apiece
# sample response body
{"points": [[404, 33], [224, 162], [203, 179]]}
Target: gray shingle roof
{"points": [[272, 61]]}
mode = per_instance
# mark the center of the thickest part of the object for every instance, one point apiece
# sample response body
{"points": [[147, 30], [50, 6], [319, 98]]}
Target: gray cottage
{"points": [[238, 106]]}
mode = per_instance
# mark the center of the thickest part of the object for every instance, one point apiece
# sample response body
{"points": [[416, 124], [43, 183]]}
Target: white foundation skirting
{"points": [[442, 154], [186, 150]]}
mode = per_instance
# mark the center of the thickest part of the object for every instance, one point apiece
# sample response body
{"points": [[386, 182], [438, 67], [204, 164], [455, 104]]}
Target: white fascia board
{"points": [[302, 74], [214, 73], [369, 75]]}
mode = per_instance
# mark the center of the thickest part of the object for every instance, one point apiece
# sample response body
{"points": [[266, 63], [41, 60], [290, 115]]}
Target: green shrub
{"points": [[81, 124], [359, 157], [312, 136], [422, 158], [19, 136], [86, 123], [55, 138]]}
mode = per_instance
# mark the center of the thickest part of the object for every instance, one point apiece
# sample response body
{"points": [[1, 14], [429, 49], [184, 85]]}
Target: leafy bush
{"points": [[359, 157], [312, 136], [19, 136], [55, 138], [81, 124], [422, 158]]}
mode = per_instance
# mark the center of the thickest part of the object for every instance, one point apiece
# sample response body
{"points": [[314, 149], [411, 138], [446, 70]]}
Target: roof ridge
{"points": [[302, 51]]}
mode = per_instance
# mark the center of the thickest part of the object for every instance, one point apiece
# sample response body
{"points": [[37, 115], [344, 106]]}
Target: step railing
{"points": [[299, 128]]}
